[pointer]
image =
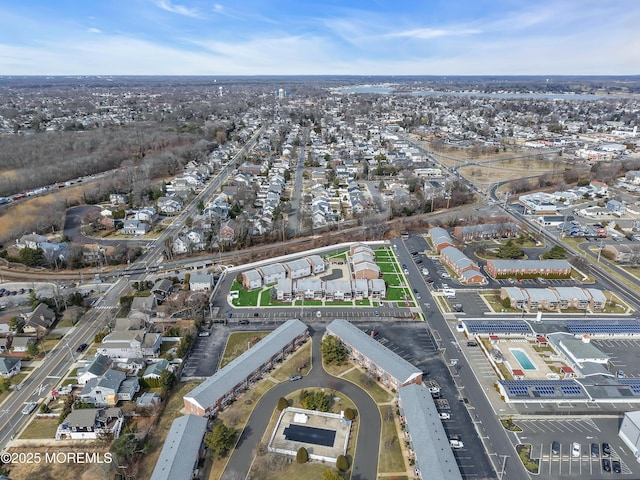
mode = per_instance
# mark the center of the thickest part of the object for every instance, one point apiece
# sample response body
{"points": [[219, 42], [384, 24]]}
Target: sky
{"points": [[319, 37]]}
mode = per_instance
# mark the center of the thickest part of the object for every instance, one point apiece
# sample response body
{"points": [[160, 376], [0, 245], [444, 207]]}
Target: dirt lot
{"points": [[24, 216], [59, 462]]}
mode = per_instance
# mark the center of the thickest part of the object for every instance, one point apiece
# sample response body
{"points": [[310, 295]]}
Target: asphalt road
{"points": [[365, 461], [488, 426]]}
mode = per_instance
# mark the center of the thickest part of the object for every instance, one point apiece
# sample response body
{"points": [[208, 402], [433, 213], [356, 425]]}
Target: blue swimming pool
{"points": [[523, 359]]}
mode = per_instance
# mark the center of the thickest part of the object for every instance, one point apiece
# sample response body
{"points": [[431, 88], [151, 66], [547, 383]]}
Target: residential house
{"points": [[40, 319], [91, 424], [377, 288], [250, 279], [162, 289], [130, 344], [95, 369], [103, 391], [31, 240], [308, 289], [19, 344], [297, 268], [170, 205], [146, 214], [622, 252], [154, 371], [338, 290], [118, 198], [134, 227], [284, 290], [148, 399], [273, 273], [9, 366], [317, 264], [228, 231], [200, 282]]}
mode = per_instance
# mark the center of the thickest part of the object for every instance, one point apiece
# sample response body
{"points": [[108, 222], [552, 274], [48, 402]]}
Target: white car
{"points": [[444, 416], [575, 450], [29, 407]]}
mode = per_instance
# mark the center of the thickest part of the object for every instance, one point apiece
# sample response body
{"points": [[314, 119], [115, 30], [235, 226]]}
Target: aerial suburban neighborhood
{"points": [[268, 278]]}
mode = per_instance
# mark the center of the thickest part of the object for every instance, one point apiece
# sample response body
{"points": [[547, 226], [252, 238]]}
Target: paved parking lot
{"points": [[623, 355], [415, 343], [541, 433]]}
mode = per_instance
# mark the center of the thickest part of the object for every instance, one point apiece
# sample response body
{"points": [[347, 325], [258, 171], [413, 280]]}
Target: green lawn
{"points": [[237, 345], [245, 298], [397, 293], [388, 267], [379, 394], [342, 255], [308, 303], [265, 301], [390, 456], [393, 280], [41, 428], [363, 303]]}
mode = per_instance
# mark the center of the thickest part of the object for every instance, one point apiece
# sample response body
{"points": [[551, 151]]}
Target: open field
{"points": [[26, 215], [237, 344]]}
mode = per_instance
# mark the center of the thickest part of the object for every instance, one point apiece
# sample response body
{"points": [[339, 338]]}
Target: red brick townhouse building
{"points": [[528, 268], [392, 370], [227, 383]]}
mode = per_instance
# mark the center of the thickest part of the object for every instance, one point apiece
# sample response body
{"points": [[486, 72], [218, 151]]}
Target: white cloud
{"points": [[94, 30], [179, 9], [429, 33]]}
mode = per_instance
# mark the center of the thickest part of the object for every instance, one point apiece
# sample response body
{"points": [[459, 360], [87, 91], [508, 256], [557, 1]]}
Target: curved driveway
{"points": [[365, 461]]}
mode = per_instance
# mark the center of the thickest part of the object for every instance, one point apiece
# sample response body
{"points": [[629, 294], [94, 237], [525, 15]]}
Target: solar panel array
{"points": [[497, 326], [632, 383], [605, 326], [526, 388]]}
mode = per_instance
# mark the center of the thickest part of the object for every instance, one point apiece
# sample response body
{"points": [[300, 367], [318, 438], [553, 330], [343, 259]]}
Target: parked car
{"points": [[620, 374], [244, 321], [555, 447], [616, 466], [444, 416], [606, 449], [575, 449], [471, 343], [293, 378], [595, 450], [606, 464], [204, 334]]}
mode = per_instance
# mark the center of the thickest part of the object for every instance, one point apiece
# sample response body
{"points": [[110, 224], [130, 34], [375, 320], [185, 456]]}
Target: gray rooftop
{"points": [[98, 365], [82, 417], [201, 278], [439, 235], [273, 269], [433, 455], [457, 257], [180, 450], [252, 274], [218, 385], [300, 264], [156, 368], [112, 379], [395, 365]]}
